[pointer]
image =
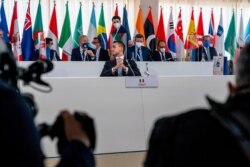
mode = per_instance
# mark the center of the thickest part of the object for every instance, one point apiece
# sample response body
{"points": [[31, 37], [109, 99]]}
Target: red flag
{"points": [[42, 46], [191, 39], [53, 33], [200, 29], [14, 35], [112, 27], [160, 33]]}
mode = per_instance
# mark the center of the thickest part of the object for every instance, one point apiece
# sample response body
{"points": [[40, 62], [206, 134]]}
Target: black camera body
{"points": [[57, 130]]}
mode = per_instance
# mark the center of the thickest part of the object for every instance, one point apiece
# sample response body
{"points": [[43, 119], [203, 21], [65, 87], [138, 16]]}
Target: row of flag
{"points": [[31, 41]]}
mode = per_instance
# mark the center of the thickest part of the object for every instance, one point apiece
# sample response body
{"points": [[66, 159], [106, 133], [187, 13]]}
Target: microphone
{"points": [[130, 67], [34, 72]]}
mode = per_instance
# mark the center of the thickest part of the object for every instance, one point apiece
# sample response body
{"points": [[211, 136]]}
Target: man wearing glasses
{"points": [[101, 54]]}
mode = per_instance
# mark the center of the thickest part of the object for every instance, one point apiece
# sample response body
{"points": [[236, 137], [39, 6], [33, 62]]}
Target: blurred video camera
{"points": [[32, 76], [57, 130]]}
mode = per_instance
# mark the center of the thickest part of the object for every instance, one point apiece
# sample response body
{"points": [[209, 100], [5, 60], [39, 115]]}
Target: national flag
{"points": [[171, 36], [240, 40], [92, 32], [200, 29], [179, 38], [101, 30], [230, 41], [139, 28], [112, 29], [125, 22], [3, 23], [65, 41], [42, 46], [160, 33], [27, 40], [211, 31], [247, 32], [219, 41], [191, 40], [78, 28], [149, 31], [15, 35], [38, 27]]}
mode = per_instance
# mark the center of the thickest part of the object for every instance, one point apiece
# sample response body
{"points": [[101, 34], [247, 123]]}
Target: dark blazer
{"points": [[195, 139], [103, 55], [76, 55], [157, 57], [146, 54], [198, 53], [132, 69]]}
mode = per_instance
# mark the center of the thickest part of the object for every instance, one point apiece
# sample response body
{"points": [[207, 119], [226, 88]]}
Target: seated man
{"points": [[205, 52], [119, 66], [84, 52], [51, 54], [101, 54], [218, 136], [138, 52], [160, 54]]}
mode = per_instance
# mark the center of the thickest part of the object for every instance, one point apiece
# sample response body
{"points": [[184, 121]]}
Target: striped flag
{"points": [[27, 41], [101, 30], [211, 31], [179, 38], [139, 28], [15, 35], [42, 46], [92, 32], [149, 31], [78, 28], [3, 23], [191, 40], [171, 36], [112, 29], [200, 29], [53, 31], [65, 41]]}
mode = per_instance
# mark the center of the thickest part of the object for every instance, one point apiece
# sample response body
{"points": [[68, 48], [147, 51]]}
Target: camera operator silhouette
{"points": [[20, 140]]}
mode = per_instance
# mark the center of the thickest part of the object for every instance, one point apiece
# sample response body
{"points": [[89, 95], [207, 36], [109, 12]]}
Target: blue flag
{"points": [[125, 22], [3, 24], [27, 41], [247, 32]]}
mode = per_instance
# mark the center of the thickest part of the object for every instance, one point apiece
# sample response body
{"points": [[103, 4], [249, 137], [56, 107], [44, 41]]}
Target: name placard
{"points": [[141, 82]]}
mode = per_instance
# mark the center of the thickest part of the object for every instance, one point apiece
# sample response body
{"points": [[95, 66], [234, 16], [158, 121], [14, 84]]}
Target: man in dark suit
{"points": [[120, 66], [101, 54], [218, 136], [138, 52], [51, 54], [205, 52], [160, 54], [84, 52]]}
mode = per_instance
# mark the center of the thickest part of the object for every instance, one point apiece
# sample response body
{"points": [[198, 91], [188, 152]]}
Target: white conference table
{"points": [[124, 116]]}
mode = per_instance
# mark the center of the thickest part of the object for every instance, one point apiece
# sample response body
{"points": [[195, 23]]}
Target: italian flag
{"points": [[65, 41]]}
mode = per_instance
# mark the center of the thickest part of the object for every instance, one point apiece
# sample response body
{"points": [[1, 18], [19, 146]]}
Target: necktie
{"points": [[119, 71], [83, 56], [163, 58], [138, 57], [208, 54]]}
